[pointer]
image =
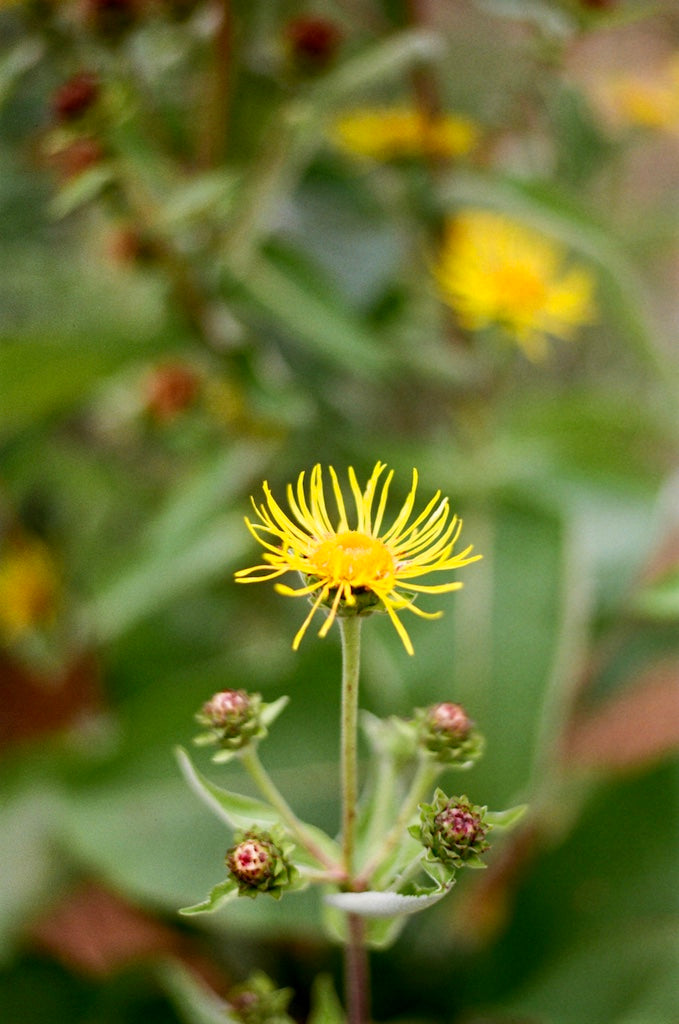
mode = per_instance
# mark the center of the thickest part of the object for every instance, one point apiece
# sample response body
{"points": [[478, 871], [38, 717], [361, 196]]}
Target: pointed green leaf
{"points": [[506, 819], [240, 812], [220, 894], [325, 1005], [270, 712], [194, 1002]]}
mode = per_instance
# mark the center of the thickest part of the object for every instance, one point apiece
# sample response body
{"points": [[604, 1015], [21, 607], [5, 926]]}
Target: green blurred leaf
{"points": [[84, 188], [325, 1005], [194, 1002]]}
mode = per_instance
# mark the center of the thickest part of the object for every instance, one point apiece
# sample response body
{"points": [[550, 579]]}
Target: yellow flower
{"points": [[29, 587], [356, 569], [650, 100], [390, 133], [493, 271]]}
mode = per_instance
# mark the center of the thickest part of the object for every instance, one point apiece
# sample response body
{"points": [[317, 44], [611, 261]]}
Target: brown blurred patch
{"points": [[96, 932], [32, 706], [632, 728]]}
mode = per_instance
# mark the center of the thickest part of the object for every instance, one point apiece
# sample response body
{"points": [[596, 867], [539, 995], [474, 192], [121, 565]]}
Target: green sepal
{"points": [[220, 894]]}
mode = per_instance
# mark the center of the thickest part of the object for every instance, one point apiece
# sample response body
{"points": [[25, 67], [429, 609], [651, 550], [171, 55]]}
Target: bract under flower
{"points": [[360, 567]]}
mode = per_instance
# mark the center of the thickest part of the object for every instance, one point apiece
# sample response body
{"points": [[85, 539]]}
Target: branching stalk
{"points": [[258, 773]]}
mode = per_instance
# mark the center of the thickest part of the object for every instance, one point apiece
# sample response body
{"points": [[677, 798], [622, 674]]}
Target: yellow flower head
{"points": [[29, 586], [390, 133], [493, 271], [359, 568], [647, 101]]}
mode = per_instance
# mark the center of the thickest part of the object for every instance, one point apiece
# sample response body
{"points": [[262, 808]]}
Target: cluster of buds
{"points": [[447, 732], [233, 719], [453, 830], [259, 862], [258, 1001]]}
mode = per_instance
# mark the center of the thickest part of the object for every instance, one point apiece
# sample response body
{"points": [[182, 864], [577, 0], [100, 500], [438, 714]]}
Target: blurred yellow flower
{"points": [[392, 132], [493, 271], [29, 586], [356, 569], [648, 101]]}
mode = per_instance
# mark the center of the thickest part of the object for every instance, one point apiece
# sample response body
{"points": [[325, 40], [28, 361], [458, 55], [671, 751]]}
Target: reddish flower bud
{"points": [[447, 732], [75, 96], [453, 829], [250, 862], [451, 719], [259, 862], [312, 42], [171, 389], [233, 718]]}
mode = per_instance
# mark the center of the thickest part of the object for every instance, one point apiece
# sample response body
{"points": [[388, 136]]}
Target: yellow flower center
{"points": [[520, 288], [354, 558]]}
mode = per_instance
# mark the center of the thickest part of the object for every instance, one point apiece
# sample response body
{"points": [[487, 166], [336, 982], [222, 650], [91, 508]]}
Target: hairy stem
{"points": [[355, 952]]}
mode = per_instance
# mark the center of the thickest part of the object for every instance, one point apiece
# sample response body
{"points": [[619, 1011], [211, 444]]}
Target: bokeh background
{"points": [[203, 284]]}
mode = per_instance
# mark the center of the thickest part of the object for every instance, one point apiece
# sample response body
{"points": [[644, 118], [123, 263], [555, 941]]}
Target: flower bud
{"points": [[452, 829], [312, 43], [257, 1001], [75, 96], [233, 718], [171, 388], [259, 863], [447, 732]]}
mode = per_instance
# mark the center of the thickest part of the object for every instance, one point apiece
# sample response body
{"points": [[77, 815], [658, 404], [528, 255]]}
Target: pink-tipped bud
{"points": [[451, 719], [250, 862]]}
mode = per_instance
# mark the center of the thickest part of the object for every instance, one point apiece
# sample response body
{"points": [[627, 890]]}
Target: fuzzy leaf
{"points": [[240, 812], [382, 904], [220, 894]]}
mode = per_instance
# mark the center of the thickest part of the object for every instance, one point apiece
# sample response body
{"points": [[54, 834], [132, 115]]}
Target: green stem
{"points": [[355, 952], [258, 773], [350, 630], [425, 775]]}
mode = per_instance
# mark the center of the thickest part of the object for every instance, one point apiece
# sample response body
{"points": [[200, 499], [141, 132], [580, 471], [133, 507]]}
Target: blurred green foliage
{"points": [[200, 290]]}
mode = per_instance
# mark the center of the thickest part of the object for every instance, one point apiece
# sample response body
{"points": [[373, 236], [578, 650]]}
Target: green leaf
{"points": [[239, 812], [157, 580], [80, 190], [660, 600], [194, 1002], [220, 894], [325, 1005], [312, 314], [382, 904], [506, 819], [16, 62], [270, 712]]}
